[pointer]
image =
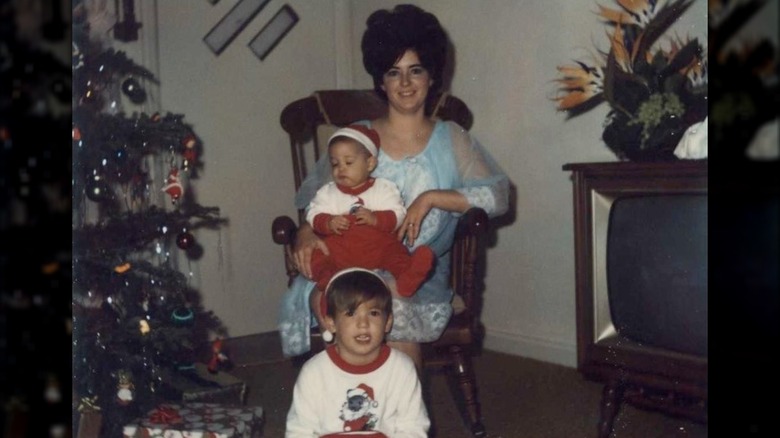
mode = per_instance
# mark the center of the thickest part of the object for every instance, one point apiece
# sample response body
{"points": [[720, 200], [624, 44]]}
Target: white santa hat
{"points": [[362, 390], [364, 135]]}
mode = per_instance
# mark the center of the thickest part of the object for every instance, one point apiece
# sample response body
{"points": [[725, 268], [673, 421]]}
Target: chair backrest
{"points": [[311, 120]]}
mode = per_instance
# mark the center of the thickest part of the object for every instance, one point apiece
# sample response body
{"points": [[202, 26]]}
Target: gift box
{"points": [[199, 385], [197, 420]]}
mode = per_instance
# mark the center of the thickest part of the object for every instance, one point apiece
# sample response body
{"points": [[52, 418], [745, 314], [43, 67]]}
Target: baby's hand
{"points": [[338, 224], [364, 216]]}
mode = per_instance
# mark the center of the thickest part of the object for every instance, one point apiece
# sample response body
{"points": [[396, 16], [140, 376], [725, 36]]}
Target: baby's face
{"points": [[351, 164]]}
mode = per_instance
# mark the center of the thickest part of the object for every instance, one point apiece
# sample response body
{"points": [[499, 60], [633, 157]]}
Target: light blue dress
{"points": [[452, 159]]}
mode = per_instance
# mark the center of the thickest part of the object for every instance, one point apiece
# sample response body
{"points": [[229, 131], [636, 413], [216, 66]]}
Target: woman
{"points": [[440, 169]]}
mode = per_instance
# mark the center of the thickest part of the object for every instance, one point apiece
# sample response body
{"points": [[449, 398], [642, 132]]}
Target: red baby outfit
{"points": [[365, 246]]}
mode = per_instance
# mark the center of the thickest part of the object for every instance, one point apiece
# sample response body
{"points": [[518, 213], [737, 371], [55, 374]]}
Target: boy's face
{"points": [[360, 334], [350, 162]]}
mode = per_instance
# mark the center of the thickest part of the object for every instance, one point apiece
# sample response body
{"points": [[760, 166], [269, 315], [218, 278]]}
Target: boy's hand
{"points": [[364, 216], [338, 224]]}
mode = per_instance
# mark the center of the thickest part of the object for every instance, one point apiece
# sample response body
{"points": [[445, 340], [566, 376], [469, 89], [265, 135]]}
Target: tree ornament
{"points": [[173, 186], [121, 269], [185, 240], [143, 326], [125, 387], [98, 190], [134, 91], [217, 356], [76, 133], [189, 141], [183, 316], [78, 57], [156, 117], [91, 98]]}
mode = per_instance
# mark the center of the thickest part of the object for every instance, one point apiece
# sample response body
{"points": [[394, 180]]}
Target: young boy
{"points": [[358, 385], [357, 216]]}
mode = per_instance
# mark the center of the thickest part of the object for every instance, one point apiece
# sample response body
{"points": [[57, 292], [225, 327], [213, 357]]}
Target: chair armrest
{"points": [[473, 222], [283, 231]]}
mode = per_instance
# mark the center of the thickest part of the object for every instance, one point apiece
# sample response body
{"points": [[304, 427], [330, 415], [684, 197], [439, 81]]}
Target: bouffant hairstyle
{"points": [[390, 33]]}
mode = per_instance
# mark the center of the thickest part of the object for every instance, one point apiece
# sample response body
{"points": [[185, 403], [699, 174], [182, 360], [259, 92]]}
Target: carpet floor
{"points": [[520, 398]]}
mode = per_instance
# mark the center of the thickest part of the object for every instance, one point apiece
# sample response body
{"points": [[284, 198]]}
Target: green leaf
{"points": [[683, 58], [624, 91]]}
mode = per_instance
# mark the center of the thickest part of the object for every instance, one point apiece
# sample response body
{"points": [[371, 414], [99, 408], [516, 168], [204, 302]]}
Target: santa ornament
{"points": [[125, 387], [217, 356], [173, 185]]}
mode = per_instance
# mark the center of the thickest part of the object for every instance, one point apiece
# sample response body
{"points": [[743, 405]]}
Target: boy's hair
{"points": [[351, 287]]}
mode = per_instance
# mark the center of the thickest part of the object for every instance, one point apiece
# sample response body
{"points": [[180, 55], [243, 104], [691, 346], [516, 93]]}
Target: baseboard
{"points": [[266, 348], [258, 348], [544, 350]]}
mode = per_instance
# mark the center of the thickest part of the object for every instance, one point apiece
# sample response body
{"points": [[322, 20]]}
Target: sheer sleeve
{"points": [[483, 182], [318, 177]]}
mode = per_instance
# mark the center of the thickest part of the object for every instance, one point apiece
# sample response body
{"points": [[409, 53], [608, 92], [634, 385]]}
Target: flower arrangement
{"points": [[655, 93]]}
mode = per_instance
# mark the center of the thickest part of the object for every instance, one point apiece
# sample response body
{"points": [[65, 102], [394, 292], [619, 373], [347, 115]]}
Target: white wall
{"points": [[507, 51]]}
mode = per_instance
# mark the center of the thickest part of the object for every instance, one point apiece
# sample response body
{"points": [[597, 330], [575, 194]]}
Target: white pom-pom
{"points": [[327, 336]]}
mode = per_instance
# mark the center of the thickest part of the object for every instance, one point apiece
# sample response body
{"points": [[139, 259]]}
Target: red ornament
{"points": [[185, 240], [189, 141], [217, 356], [76, 133], [173, 186], [156, 117]]}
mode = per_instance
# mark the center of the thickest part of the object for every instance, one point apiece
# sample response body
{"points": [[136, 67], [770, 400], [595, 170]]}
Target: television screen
{"points": [[657, 270]]}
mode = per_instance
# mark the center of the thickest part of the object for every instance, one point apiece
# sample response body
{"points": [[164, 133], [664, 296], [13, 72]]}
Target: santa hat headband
{"points": [[324, 296], [362, 134]]}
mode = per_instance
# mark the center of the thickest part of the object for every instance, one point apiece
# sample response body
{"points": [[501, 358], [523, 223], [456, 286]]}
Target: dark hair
{"points": [[390, 33], [351, 289]]}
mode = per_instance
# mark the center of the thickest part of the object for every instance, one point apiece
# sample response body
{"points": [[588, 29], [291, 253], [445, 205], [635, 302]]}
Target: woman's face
{"points": [[406, 83]]}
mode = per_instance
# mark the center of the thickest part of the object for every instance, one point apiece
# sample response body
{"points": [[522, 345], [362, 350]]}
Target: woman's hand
{"points": [[306, 241], [415, 214]]}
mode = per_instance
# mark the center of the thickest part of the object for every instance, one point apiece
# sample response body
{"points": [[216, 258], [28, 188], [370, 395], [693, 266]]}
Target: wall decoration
{"points": [[273, 32], [232, 24]]}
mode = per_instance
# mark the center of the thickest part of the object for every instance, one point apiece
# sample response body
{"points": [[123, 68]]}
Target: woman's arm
{"points": [[306, 241], [447, 200]]}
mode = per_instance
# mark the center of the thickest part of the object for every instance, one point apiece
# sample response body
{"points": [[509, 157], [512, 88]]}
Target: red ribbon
{"points": [[165, 415]]}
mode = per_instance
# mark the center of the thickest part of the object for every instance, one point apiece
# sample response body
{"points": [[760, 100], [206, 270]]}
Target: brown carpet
{"points": [[520, 398]]}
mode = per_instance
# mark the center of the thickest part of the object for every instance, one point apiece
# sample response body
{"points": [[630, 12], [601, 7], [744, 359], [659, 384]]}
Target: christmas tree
{"points": [[137, 320]]}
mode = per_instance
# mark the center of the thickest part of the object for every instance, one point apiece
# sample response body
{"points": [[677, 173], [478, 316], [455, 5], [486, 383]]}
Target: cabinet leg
{"points": [[611, 399]]}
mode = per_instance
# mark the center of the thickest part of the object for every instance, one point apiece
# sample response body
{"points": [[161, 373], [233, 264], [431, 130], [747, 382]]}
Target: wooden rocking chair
{"points": [[305, 120]]}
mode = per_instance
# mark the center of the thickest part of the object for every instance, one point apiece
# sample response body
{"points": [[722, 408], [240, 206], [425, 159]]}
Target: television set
{"points": [[640, 239]]}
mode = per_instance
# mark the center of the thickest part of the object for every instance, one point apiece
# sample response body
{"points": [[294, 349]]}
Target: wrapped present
{"points": [[197, 420], [200, 385]]}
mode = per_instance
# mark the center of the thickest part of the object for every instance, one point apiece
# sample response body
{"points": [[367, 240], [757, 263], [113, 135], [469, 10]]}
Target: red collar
{"points": [[357, 190], [384, 353]]}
